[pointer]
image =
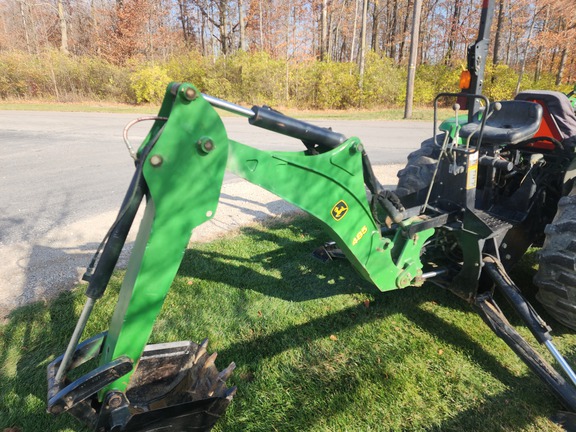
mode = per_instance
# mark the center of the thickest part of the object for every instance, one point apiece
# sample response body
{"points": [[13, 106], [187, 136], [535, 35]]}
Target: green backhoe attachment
{"points": [[180, 167]]}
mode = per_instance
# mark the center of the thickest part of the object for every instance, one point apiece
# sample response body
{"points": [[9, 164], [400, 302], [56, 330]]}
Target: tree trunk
{"points": [[375, 27], [538, 70], [334, 41], [413, 59], [183, 20], [363, 43], [95, 37], [394, 31], [453, 31], [354, 31], [509, 42], [202, 19], [562, 65], [242, 25], [261, 24], [498, 34], [406, 24], [523, 63], [223, 26], [63, 28], [25, 26], [323, 29]]}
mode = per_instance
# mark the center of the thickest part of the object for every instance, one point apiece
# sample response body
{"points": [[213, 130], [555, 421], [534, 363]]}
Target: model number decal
{"points": [[360, 234]]}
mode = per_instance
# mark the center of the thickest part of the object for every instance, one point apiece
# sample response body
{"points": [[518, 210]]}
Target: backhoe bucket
{"points": [[175, 387]]}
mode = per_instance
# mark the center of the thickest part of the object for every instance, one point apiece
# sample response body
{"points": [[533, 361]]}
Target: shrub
{"points": [[434, 79], [257, 77], [382, 82], [190, 67], [500, 82], [335, 85], [23, 76], [149, 83]]}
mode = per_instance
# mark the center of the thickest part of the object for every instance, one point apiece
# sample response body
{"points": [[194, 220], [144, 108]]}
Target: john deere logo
{"points": [[339, 210]]}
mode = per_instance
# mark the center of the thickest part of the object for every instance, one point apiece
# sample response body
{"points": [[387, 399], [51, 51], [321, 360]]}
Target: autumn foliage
{"points": [[302, 53]]}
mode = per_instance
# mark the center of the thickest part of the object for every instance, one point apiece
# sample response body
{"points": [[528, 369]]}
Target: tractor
{"points": [[467, 206]]}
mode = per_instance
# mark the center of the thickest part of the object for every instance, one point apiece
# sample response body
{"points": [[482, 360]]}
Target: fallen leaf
{"points": [[333, 337], [366, 303], [259, 313], [440, 351]]}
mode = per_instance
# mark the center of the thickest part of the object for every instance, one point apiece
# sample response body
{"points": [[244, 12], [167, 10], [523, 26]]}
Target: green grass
{"points": [[317, 348], [108, 107], [383, 114], [423, 113]]}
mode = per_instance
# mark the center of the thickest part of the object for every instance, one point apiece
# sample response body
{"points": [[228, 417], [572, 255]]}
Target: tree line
{"points": [[299, 39]]}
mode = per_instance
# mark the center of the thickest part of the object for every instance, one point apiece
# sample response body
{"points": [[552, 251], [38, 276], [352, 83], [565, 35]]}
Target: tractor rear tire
{"points": [[418, 172], [556, 276]]}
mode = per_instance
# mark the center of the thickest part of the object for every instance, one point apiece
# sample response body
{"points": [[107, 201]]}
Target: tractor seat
{"points": [[514, 123], [559, 116]]}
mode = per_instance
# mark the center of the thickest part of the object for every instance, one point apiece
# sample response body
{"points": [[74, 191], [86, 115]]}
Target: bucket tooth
{"points": [[230, 393], [225, 373], [210, 360]]}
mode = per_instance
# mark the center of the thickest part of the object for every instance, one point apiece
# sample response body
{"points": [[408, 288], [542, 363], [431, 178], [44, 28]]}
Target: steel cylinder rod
{"points": [[228, 106]]}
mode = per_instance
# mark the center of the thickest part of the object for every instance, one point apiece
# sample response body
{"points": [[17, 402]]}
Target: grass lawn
{"points": [[317, 348], [419, 113]]}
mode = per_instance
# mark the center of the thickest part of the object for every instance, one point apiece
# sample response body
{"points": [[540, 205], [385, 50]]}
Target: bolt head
{"points": [[114, 401], [156, 160], [357, 148], [206, 145], [189, 93]]}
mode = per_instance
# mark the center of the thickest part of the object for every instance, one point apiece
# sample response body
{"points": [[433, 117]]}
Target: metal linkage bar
{"points": [[561, 361], [535, 323], [228, 106]]}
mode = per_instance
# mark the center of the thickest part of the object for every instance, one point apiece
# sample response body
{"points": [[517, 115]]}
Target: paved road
{"points": [[63, 175]]}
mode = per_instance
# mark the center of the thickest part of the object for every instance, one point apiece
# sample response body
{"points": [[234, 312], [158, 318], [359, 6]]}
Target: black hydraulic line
{"points": [[267, 118], [535, 323], [116, 237], [98, 281]]}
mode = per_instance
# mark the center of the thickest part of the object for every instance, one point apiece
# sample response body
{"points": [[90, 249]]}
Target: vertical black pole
{"points": [[477, 55]]}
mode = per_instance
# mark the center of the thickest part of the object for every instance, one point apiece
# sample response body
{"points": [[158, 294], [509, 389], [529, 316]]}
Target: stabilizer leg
{"points": [[563, 389]]}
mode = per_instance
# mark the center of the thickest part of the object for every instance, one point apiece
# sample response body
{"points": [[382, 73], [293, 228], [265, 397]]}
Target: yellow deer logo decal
{"points": [[339, 210]]}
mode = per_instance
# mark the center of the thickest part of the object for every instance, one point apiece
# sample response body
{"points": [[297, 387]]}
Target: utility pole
{"points": [[413, 59]]}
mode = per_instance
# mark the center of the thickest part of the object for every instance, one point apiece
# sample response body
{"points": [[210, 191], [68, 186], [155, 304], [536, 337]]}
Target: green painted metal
{"points": [[184, 172], [184, 183], [321, 185], [449, 125]]}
